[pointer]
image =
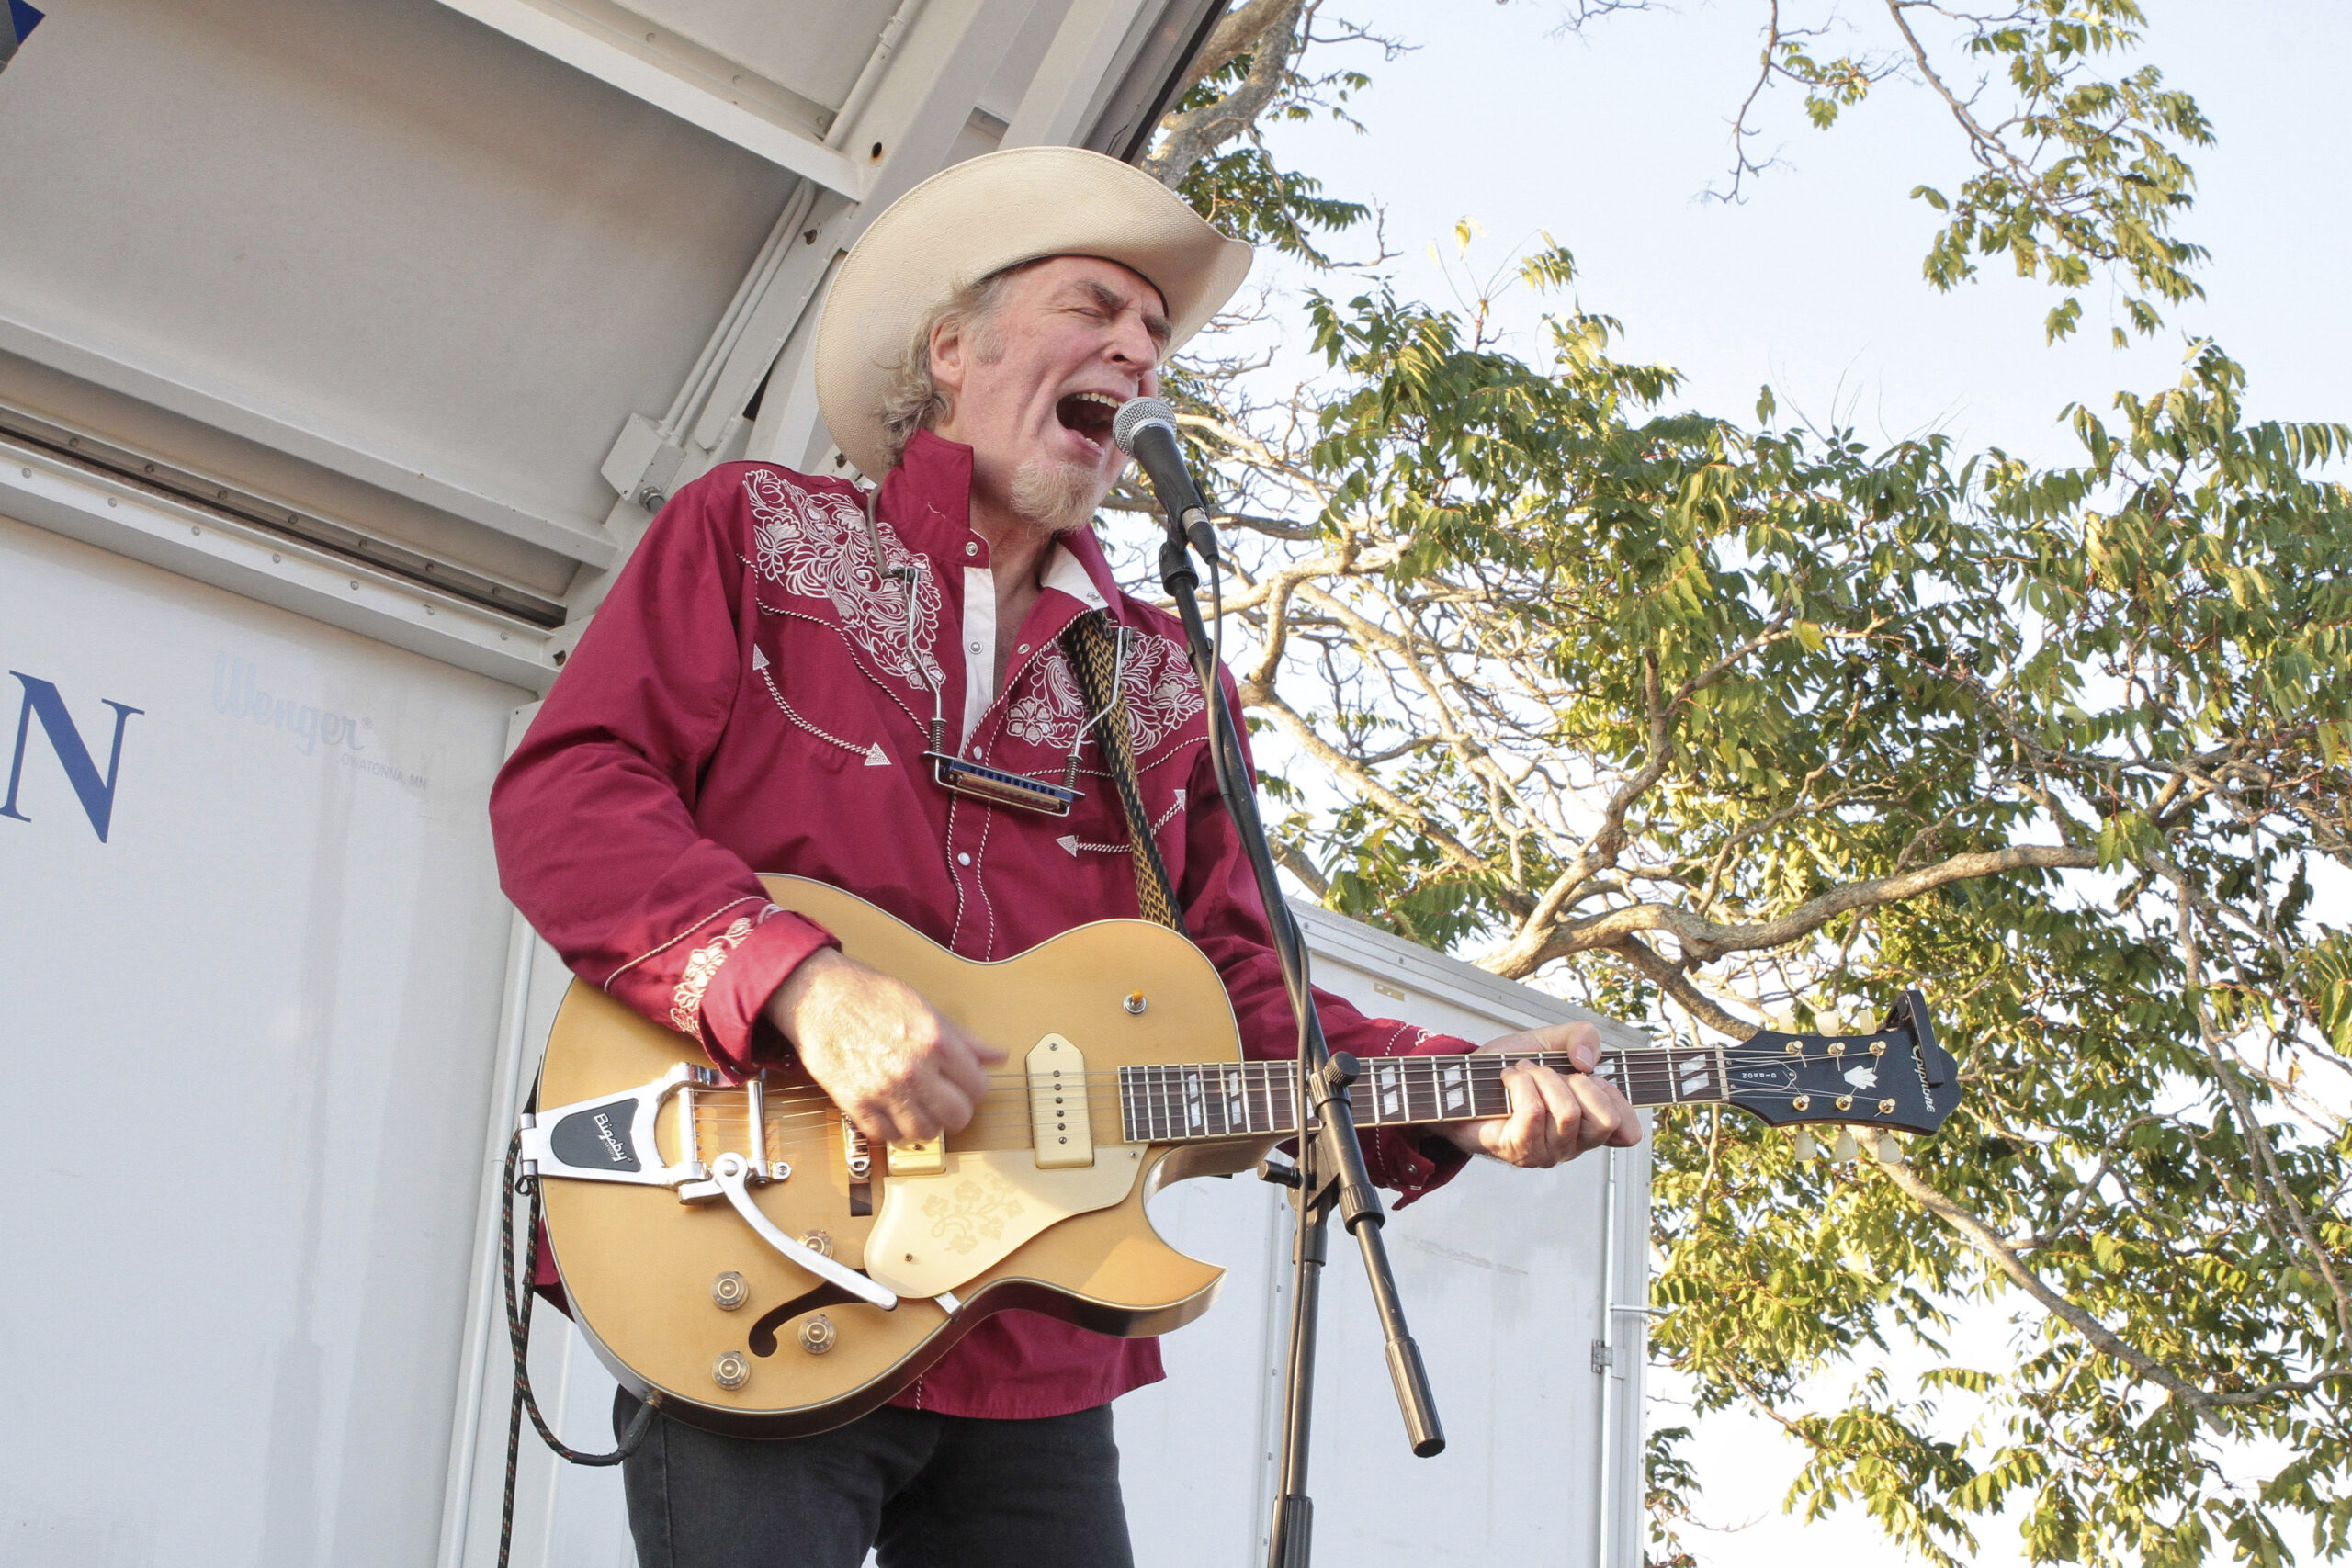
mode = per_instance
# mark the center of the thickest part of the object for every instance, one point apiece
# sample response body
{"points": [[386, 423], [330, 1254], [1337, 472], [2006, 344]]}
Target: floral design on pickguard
{"points": [[974, 1210]]}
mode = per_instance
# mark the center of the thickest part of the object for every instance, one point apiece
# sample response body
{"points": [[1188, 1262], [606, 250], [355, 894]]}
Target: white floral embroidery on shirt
{"points": [[814, 545], [1050, 706], [701, 968], [1160, 691]]}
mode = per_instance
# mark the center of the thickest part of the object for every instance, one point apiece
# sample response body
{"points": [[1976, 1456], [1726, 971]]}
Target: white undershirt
{"points": [[1062, 573]]}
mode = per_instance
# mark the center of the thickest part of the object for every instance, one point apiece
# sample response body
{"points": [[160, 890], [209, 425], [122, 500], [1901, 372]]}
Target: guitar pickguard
{"points": [[935, 1232]]}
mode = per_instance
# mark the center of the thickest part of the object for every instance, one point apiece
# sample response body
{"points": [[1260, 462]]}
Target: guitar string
{"points": [[1097, 1107], [1640, 1077], [1213, 1083], [995, 1118], [1485, 1064], [1262, 1082], [1670, 1060], [1020, 1135]]}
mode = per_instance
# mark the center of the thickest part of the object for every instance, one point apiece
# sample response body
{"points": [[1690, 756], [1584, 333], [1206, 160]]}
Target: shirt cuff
{"points": [[729, 1018], [1411, 1164]]}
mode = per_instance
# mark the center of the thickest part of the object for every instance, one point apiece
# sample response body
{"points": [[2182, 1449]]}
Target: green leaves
{"points": [[2078, 172], [1707, 723], [1714, 683], [2083, 175]]}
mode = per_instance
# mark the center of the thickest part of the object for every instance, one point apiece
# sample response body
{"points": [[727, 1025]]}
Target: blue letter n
{"points": [[96, 795]]}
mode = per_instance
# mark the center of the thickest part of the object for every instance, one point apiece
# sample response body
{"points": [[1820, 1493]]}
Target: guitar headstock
{"points": [[1898, 1080]]}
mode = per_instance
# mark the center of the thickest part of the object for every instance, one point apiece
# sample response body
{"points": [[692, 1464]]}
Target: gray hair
{"points": [[913, 400]]}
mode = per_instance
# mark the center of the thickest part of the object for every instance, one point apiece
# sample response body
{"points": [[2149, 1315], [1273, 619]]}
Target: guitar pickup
{"points": [[1059, 1128]]}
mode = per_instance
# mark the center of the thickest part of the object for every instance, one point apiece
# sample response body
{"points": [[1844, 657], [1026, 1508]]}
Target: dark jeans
{"points": [[924, 1490]]}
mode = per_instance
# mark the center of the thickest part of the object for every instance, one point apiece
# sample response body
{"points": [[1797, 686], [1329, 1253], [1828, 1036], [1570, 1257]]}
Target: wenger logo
{"points": [[43, 703]]}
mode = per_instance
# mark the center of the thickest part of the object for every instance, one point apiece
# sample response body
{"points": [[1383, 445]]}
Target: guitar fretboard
{"points": [[1227, 1099]]}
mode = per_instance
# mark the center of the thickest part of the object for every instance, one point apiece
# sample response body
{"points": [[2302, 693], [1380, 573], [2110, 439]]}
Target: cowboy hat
{"points": [[978, 218]]}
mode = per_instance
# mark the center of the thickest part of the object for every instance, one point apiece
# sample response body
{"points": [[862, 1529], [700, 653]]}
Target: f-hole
{"points": [[762, 1339]]}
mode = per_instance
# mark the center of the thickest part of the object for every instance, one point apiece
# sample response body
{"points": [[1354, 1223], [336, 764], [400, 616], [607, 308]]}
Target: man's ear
{"points": [[950, 357]]}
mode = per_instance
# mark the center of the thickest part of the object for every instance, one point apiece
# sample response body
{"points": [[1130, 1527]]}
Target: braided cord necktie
{"points": [[1094, 647]]}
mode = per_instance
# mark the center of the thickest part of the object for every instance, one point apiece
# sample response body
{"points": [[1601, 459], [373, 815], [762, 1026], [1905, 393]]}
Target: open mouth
{"points": [[1090, 414]]}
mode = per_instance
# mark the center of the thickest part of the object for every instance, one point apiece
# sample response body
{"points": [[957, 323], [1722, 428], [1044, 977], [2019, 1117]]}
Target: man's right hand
{"points": [[893, 1065]]}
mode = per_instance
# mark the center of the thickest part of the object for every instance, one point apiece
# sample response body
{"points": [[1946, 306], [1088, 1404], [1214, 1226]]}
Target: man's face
{"points": [[1032, 390]]}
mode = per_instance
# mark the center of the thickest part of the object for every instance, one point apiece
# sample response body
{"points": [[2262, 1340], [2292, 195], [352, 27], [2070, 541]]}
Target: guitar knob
{"points": [[1847, 1148], [816, 1335], [1806, 1148], [730, 1292], [819, 1242], [731, 1370], [1889, 1151]]}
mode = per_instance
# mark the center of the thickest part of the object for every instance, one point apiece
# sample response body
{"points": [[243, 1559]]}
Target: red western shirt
{"points": [[747, 700]]}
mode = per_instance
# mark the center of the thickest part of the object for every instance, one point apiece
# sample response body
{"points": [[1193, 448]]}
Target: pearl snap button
{"points": [[963, 860]]}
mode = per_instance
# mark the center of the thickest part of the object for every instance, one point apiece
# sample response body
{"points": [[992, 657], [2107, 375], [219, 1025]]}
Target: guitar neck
{"points": [[1191, 1102]]}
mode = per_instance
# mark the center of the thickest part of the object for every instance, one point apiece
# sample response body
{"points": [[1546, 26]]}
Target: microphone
{"points": [[1145, 431]]}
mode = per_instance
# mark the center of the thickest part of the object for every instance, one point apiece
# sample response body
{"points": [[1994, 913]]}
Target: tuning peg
{"points": [[1889, 1151], [1806, 1148], [1847, 1148]]}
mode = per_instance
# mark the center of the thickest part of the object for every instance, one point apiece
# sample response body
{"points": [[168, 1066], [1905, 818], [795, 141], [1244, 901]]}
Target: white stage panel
{"points": [[250, 1036]]}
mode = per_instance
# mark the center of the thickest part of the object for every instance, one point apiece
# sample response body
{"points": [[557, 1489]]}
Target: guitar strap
{"points": [[1095, 655]]}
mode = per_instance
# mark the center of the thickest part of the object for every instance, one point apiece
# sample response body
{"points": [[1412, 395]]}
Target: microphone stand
{"points": [[1329, 1173]]}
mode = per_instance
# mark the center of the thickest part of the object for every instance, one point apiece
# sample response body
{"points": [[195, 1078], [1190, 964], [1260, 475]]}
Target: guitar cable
{"points": [[518, 1332]]}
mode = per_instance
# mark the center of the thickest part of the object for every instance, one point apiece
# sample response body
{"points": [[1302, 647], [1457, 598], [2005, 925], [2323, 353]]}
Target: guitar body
{"points": [[639, 1265]]}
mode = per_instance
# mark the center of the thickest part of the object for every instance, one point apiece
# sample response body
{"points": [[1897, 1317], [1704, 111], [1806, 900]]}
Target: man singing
{"points": [[757, 694]]}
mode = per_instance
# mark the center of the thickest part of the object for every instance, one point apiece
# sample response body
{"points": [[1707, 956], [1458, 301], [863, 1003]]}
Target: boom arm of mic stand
{"points": [[1331, 1169]]}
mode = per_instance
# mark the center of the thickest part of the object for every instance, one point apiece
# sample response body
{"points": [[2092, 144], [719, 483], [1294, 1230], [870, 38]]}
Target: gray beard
{"points": [[1056, 497]]}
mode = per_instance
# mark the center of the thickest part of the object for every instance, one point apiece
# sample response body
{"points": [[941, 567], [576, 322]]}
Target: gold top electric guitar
{"points": [[742, 1251]]}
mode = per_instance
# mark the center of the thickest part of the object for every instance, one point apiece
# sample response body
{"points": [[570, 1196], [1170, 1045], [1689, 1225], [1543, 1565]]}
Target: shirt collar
{"points": [[928, 501]]}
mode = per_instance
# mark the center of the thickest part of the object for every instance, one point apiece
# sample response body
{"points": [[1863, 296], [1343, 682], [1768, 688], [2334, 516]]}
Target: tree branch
{"points": [[1272, 43], [1703, 941]]}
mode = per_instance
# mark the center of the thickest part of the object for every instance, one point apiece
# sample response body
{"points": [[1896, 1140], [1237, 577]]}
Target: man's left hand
{"points": [[1553, 1116]]}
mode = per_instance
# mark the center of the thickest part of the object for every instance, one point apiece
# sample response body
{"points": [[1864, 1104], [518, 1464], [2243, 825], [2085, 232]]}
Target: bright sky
{"points": [[1608, 141]]}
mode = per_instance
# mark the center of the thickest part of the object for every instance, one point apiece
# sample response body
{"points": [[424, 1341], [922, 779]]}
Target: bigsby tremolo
{"points": [[612, 1138]]}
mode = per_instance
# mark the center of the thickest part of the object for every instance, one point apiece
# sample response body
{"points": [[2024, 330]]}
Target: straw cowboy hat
{"points": [[981, 217]]}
